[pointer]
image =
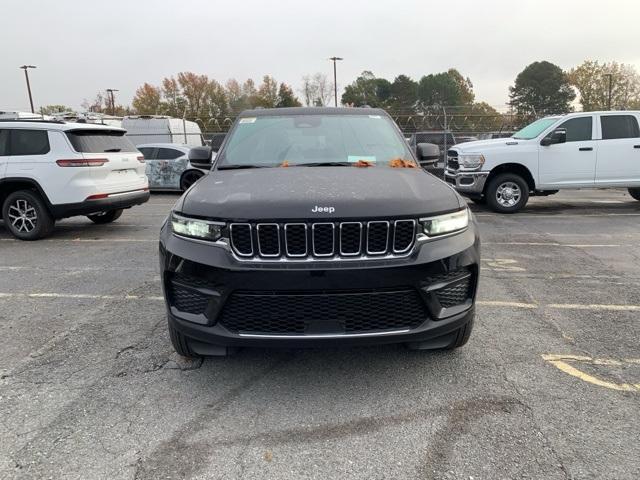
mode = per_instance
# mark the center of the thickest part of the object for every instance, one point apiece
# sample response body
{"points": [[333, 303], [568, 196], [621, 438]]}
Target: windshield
{"points": [[534, 129], [315, 140]]}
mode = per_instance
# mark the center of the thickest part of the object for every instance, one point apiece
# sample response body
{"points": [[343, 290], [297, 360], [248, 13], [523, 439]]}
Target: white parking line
{"points": [[499, 303], [580, 306], [81, 296], [86, 240], [556, 244]]}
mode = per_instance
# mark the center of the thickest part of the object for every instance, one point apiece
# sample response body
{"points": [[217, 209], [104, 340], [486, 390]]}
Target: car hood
{"points": [[294, 192], [480, 146]]}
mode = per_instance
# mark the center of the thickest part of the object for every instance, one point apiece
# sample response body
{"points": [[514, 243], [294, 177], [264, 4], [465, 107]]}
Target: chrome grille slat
{"points": [[288, 227], [323, 240], [374, 231], [316, 238], [264, 249]]}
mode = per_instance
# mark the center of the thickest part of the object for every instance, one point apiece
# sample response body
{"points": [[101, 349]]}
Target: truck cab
{"points": [[578, 150]]}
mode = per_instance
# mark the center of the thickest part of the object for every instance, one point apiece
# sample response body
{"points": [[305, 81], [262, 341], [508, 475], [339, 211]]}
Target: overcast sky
{"points": [[81, 47]]}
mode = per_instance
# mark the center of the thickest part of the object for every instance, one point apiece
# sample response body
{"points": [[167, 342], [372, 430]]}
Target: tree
{"points": [[52, 109], [592, 82], [403, 94], [286, 97], [367, 90], [175, 104], [317, 90], [147, 100], [541, 88], [448, 88], [194, 90], [267, 95]]}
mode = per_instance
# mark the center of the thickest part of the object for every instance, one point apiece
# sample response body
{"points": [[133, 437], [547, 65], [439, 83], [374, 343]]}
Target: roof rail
{"points": [[31, 120]]}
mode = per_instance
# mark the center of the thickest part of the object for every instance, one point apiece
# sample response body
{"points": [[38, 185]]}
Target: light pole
{"points": [[111, 91], [335, 79], [26, 76], [610, 75]]}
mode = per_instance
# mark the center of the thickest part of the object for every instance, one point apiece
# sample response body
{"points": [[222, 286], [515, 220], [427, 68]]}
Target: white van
{"points": [[142, 129]]}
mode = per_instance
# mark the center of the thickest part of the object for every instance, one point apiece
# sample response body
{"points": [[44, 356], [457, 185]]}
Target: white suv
{"points": [[52, 170], [578, 150]]}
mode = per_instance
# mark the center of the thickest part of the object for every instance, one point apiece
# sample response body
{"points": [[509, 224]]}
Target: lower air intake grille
{"points": [[339, 313], [454, 294], [187, 300]]}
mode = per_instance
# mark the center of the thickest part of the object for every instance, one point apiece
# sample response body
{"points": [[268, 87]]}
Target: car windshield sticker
{"points": [[357, 158], [248, 120]]}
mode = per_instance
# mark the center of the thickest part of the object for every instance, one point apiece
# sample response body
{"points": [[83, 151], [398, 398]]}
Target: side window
{"points": [[619, 126], [4, 143], [147, 153], [28, 142], [578, 129], [168, 154]]}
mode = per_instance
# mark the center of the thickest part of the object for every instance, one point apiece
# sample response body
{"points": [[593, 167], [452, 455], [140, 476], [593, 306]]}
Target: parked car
{"points": [[143, 129], [578, 150], [168, 166], [52, 170], [316, 226]]}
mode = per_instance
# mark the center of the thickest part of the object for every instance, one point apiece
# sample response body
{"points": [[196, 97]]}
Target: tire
{"points": [[180, 344], [105, 217], [507, 193], [26, 216], [189, 178], [635, 193], [450, 341]]}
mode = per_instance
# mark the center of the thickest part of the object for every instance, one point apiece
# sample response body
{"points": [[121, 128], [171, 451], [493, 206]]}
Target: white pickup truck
{"points": [[578, 150]]}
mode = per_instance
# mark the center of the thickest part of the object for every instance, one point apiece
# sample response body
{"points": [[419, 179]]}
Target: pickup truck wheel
{"points": [[105, 217], [26, 216], [189, 178], [635, 193], [507, 193]]}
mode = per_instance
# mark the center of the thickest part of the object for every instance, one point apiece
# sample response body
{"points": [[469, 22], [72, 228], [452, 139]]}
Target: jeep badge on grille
{"points": [[317, 209]]}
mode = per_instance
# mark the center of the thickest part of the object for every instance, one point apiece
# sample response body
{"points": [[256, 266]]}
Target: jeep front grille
{"points": [[319, 240]]}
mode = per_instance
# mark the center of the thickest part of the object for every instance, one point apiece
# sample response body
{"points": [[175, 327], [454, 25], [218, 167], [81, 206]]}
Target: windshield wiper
{"points": [[240, 167], [109, 150], [323, 164]]}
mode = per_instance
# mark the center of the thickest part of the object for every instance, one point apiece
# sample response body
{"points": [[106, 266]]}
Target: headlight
{"points": [[449, 223], [196, 228], [471, 161]]}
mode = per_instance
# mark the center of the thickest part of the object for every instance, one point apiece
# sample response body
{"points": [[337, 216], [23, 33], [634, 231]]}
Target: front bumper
{"points": [[470, 183], [214, 299]]}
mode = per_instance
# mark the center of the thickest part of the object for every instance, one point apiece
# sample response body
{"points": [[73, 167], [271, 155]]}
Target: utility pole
{"points": [[110, 92], [610, 75], [26, 76], [335, 79]]}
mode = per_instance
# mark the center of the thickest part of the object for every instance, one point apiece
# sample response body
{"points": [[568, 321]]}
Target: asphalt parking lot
{"points": [[547, 388]]}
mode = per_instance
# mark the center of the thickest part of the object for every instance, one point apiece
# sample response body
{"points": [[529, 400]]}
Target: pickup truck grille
{"points": [[298, 240], [452, 161]]}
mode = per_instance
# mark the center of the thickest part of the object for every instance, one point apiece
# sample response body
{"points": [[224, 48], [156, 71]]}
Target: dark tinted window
{"points": [[147, 152], [99, 141], [578, 129], [28, 142], [4, 143], [619, 126], [168, 154]]}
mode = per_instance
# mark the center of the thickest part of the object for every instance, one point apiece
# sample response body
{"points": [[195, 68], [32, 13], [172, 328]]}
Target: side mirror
{"points": [[559, 135], [428, 153], [201, 157]]}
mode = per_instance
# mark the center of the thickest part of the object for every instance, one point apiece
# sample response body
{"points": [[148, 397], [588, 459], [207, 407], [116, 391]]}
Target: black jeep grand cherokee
{"points": [[315, 227]]}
